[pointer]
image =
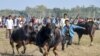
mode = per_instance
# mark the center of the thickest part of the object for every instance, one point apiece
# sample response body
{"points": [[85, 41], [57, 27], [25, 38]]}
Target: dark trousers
{"points": [[67, 40]]}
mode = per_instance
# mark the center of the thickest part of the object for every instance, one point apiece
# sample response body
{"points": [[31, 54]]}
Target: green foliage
{"points": [[42, 11]]}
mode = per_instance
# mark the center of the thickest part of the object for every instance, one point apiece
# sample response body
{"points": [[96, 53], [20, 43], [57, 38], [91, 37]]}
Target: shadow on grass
{"points": [[8, 54], [26, 54], [75, 43]]}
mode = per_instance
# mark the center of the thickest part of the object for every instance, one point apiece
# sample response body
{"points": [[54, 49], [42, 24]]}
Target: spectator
{"points": [[15, 20], [48, 20], [3, 21], [0, 21], [62, 22], [20, 22], [9, 26]]}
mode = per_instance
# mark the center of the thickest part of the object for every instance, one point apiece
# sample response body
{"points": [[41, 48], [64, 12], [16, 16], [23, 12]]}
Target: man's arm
{"points": [[75, 26]]}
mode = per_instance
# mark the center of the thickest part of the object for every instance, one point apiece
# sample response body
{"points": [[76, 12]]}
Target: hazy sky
{"points": [[21, 4]]}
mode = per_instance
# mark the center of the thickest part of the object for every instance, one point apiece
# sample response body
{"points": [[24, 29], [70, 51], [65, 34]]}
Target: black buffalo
{"points": [[45, 38], [90, 30], [21, 37], [48, 38]]}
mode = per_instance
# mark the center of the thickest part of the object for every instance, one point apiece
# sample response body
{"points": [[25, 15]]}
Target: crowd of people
{"points": [[18, 21], [12, 22]]}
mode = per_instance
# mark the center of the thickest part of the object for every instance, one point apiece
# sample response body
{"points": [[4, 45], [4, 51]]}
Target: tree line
{"points": [[43, 11]]}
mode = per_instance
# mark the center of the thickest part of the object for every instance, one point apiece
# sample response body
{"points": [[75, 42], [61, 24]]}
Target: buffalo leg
{"points": [[91, 37], [55, 51], [63, 46], [63, 43], [24, 47], [40, 49], [17, 47], [12, 45], [46, 50], [80, 36]]}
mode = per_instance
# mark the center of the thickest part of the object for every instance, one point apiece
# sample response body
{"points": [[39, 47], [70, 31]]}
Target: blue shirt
{"points": [[71, 30]]}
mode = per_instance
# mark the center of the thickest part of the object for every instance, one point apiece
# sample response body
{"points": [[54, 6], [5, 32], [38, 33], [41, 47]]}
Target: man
{"points": [[57, 21], [80, 20], [69, 28], [9, 26], [90, 20], [21, 21], [46, 20], [15, 21], [3, 21], [53, 22], [62, 22], [0, 21]]}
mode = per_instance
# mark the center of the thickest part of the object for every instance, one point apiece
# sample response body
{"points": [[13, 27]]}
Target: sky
{"points": [[22, 4]]}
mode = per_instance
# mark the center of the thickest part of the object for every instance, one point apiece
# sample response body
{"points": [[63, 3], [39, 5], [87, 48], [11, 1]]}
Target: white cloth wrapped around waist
{"points": [[20, 24]]}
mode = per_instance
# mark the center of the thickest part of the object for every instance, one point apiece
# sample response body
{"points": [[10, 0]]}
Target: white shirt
{"points": [[40, 20], [62, 22], [9, 24], [0, 19]]}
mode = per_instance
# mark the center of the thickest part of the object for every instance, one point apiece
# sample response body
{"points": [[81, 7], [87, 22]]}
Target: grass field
{"points": [[74, 50]]}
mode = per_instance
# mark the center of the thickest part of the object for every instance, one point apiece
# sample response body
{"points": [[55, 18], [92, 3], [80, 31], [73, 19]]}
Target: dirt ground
{"points": [[74, 50]]}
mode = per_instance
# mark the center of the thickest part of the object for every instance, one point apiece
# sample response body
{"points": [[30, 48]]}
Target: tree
{"points": [[41, 10], [57, 11]]}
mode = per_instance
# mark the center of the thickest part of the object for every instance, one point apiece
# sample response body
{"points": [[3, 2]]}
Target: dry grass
{"points": [[74, 50]]}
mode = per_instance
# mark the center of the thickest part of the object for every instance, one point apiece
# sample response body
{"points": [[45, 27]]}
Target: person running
{"points": [[69, 28]]}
